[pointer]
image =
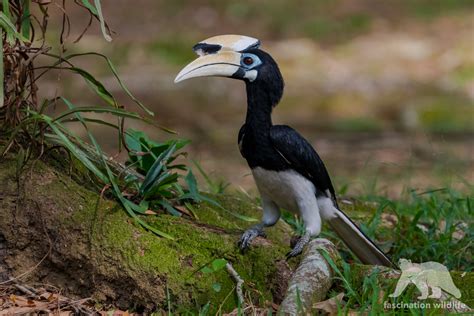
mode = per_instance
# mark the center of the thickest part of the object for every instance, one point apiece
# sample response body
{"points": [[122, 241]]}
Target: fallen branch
{"points": [[311, 280], [238, 283]]}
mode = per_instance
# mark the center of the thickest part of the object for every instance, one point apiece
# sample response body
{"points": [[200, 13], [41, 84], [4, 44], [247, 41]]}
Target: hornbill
{"points": [[287, 170]]}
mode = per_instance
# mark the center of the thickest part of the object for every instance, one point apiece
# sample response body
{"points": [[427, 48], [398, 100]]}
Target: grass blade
{"points": [[169, 208], [25, 19], [155, 169], [10, 28], [108, 110], [96, 85], [89, 6], [79, 154], [102, 21], [6, 11], [114, 72]]}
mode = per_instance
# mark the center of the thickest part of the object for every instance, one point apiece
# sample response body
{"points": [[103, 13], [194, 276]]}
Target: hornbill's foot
{"points": [[249, 235], [298, 248]]}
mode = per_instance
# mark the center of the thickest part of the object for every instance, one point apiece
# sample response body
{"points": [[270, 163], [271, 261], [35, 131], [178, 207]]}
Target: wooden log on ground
{"points": [[311, 280]]}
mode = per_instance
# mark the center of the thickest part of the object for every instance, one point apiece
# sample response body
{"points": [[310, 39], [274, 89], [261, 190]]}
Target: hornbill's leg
{"points": [[309, 212], [271, 214]]}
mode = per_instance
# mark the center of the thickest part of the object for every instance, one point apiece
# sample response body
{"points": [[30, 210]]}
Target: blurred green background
{"points": [[384, 90]]}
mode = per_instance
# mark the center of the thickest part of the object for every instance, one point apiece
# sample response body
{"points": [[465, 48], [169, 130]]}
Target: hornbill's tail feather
{"points": [[362, 246]]}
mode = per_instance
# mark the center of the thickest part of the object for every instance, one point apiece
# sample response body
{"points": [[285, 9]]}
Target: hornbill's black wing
{"points": [[301, 156]]}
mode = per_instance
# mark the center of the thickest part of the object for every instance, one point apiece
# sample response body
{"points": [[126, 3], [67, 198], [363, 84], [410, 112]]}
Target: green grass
{"points": [[432, 225], [435, 225]]}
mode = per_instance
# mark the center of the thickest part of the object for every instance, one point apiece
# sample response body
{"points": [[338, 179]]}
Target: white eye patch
{"points": [[251, 75]]}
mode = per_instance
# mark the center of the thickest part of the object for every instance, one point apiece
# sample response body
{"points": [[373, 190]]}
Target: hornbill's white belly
{"points": [[288, 189]]}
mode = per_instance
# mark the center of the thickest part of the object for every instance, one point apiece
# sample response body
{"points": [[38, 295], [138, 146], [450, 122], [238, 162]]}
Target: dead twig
{"points": [[238, 283]]}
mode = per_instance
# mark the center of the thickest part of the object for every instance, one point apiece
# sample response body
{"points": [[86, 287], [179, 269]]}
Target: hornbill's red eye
{"points": [[248, 61]]}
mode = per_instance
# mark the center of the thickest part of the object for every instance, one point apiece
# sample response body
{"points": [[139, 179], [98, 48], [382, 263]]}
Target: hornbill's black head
{"points": [[237, 57]]}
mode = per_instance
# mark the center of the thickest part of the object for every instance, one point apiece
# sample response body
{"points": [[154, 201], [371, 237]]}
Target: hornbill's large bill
{"points": [[287, 170]]}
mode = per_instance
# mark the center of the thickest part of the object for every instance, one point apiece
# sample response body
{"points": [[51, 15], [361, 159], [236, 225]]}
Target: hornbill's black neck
{"points": [[263, 94], [259, 108]]}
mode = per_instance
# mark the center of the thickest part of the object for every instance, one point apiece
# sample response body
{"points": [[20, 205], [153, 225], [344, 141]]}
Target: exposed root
{"points": [[311, 280]]}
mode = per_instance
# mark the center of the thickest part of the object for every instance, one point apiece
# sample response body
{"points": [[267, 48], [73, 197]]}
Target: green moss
{"points": [[114, 236], [179, 261]]}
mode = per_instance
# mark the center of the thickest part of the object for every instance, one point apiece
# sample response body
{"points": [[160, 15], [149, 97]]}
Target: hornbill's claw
{"points": [[298, 248], [249, 235]]}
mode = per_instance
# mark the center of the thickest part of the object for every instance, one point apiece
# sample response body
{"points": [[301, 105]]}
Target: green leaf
{"points": [[191, 209], [207, 270], [6, 11], [96, 85], [97, 11], [169, 208], [78, 153], [108, 110], [89, 120], [140, 209], [102, 21], [133, 215], [192, 184], [156, 169], [25, 19], [161, 188], [145, 151], [218, 264], [133, 143], [89, 6], [205, 309], [152, 153], [216, 287], [10, 29]]}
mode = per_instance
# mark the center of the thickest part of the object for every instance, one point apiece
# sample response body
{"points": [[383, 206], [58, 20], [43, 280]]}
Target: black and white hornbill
{"points": [[287, 170]]}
